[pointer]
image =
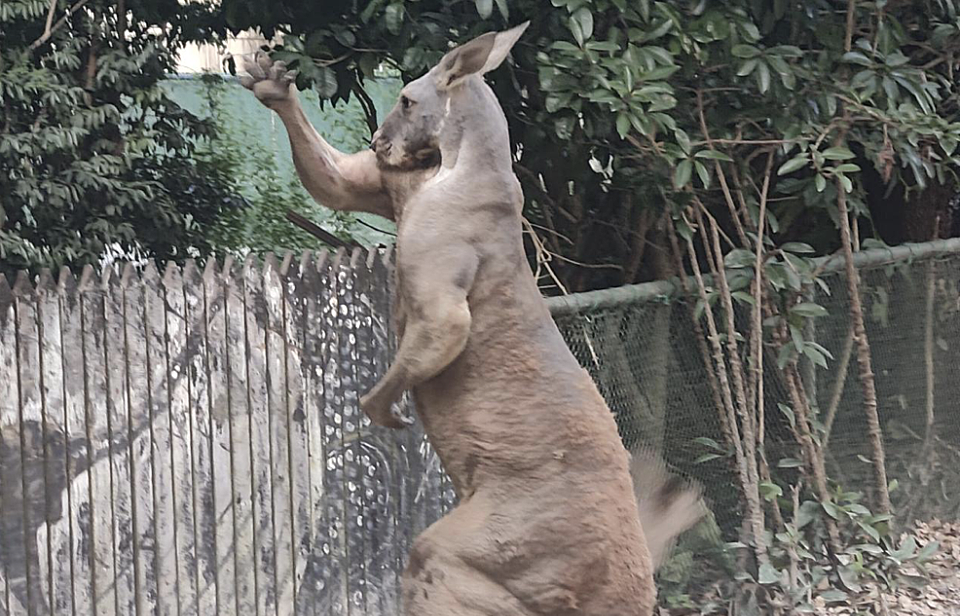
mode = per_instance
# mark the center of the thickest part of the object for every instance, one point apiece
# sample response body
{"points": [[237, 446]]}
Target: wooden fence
{"points": [[190, 442]]}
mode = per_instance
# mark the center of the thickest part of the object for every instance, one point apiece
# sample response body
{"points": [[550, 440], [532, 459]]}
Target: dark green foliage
{"points": [[603, 104], [94, 157], [252, 146]]}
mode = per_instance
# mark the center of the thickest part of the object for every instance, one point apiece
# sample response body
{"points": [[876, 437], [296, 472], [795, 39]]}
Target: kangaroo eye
{"points": [[405, 102]]}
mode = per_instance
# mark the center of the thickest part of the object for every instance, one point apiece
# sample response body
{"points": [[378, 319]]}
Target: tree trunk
{"points": [[874, 432]]}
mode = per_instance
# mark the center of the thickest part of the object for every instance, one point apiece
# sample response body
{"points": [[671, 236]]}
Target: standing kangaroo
{"points": [[547, 523]]}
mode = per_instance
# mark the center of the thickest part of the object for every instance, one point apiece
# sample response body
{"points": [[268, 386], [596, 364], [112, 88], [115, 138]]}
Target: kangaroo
{"points": [[547, 524]]}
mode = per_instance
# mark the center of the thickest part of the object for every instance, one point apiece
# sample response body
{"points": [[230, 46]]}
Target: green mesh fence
{"points": [[639, 345]]}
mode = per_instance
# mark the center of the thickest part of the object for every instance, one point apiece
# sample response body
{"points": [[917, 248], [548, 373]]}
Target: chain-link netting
{"points": [[649, 364]]}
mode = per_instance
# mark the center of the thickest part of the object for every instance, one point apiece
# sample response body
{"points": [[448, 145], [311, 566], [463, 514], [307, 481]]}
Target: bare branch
{"points": [[838, 386], [728, 196], [313, 229], [48, 32], [874, 431]]}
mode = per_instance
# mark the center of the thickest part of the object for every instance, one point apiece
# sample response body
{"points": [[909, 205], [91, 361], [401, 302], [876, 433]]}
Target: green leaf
{"points": [[370, 9], [809, 511], [797, 162], [820, 349], [657, 32], [855, 57], [789, 463], [831, 510], [809, 309], [769, 490], [788, 412], [820, 182], [785, 355], [739, 257], [849, 578], [907, 549], [798, 248], [658, 74], [394, 18], [707, 457], [748, 67], [703, 173], [838, 153], [504, 9], [845, 181], [815, 356], [484, 8], [682, 175], [581, 24], [326, 82], [767, 574], [928, 550], [745, 51], [708, 442], [713, 155], [641, 124], [345, 38], [763, 77], [683, 140], [623, 124], [833, 596], [789, 80]]}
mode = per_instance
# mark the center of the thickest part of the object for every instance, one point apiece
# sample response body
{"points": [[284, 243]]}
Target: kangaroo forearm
{"points": [[336, 180]]}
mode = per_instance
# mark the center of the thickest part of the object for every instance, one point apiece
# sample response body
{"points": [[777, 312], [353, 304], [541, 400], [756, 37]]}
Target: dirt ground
{"points": [[940, 597]]}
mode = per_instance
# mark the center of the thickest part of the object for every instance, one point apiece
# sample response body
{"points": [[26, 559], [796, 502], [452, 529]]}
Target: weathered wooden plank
{"points": [[140, 442], [260, 442], [351, 431], [4, 375], [5, 301], [13, 555], [179, 354], [334, 497], [77, 444], [98, 434], [279, 430], [118, 421], [369, 448], [165, 545], [219, 409], [246, 587], [396, 526], [294, 328], [32, 438], [205, 520], [383, 452], [56, 514], [316, 587]]}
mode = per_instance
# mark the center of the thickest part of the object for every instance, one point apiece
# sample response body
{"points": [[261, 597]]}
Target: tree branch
{"points": [[313, 229], [48, 32]]}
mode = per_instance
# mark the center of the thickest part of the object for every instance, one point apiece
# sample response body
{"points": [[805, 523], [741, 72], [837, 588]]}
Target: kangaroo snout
{"points": [[380, 145]]}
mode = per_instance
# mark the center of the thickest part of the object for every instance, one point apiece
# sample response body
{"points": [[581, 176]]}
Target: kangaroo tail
{"points": [[668, 504]]}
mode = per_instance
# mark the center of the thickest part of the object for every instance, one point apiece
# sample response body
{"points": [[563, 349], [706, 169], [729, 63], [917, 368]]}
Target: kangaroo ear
{"points": [[479, 56]]}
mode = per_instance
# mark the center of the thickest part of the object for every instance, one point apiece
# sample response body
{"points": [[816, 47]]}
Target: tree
{"points": [[93, 155], [603, 106]]}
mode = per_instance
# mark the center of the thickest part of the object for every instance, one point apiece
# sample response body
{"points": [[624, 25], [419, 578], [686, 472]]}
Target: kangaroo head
{"points": [[412, 134]]}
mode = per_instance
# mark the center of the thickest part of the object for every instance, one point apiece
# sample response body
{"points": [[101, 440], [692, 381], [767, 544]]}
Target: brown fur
{"points": [[547, 523]]}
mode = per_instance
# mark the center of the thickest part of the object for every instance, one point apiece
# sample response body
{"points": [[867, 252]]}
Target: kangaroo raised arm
{"points": [[547, 522], [337, 180]]}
